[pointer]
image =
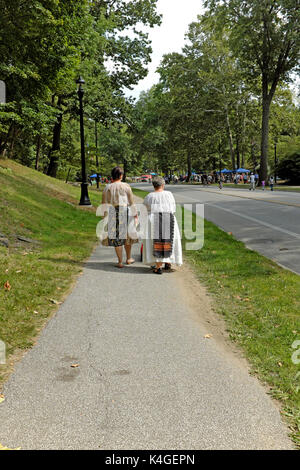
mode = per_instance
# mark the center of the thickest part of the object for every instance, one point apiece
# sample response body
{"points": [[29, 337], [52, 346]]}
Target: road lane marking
{"points": [[282, 203], [260, 222]]}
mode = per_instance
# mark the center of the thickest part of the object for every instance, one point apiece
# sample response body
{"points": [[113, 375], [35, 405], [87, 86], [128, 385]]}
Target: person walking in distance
{"points": [[252, 182], [271, 182]]}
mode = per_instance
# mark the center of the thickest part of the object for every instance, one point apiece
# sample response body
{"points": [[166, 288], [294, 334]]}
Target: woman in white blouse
{"points": [[163, 241]]}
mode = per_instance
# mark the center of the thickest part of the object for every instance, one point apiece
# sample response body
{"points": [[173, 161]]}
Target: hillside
{"points": [[44, 237]]}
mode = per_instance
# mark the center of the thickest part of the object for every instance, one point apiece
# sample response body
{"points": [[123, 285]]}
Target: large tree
{"points": [[45, 45], [265, 36]]}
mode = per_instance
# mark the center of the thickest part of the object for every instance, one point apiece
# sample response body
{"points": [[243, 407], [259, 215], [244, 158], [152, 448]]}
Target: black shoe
{"points": [[157, 271]]}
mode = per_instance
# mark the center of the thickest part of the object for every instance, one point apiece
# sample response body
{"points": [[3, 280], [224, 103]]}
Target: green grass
{"points": [[140, 192], [261, 305], [46, 210]]}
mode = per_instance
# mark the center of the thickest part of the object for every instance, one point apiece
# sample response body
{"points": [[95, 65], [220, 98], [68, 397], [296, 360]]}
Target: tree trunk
{"points": [[69, 171], [230, 138], [125, 169], [38, 150], [13, 140], [3, 145], [53, 164], [263, 172], [189, 165], [243, 137], [253, 157], [238, 159]]}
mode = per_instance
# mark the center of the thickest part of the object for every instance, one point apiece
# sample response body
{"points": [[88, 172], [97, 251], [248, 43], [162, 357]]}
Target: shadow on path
{"points": [[110, 267]]}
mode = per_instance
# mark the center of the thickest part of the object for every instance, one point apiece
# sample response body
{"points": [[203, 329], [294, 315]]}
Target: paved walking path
{"points": [[147, 378]]}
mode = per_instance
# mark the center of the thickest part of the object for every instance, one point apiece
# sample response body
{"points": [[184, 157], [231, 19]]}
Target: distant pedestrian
{"points": [[271, 183], [252, 182], [263, 184]]}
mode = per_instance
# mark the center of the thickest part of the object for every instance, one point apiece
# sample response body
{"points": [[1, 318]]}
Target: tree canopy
{"points": [[225, 100]]}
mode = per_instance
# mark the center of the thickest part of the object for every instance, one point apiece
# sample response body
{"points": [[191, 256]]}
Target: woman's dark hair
{"points": [[116, 173]]}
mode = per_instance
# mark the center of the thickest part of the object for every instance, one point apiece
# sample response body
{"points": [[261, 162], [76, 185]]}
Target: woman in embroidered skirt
{"points": [[163, 242], [121, 212]]}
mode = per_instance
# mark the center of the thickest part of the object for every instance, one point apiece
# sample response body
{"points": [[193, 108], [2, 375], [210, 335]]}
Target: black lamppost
{"points": [[97, 158], [84, 200]]}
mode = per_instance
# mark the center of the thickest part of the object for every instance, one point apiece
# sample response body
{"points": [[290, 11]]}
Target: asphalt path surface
{"points": [[268, 222], [144, 376]]}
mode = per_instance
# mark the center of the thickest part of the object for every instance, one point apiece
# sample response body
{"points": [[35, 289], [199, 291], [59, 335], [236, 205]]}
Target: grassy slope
{"points": [[261, 305], [46, 210]]}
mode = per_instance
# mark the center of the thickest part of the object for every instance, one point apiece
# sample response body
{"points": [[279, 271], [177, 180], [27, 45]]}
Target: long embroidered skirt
{"points": [[163, 234], [149, 254], [118, 221]]}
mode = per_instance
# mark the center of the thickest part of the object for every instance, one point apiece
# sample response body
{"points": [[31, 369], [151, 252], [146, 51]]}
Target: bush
{"points": [[289, 168]]}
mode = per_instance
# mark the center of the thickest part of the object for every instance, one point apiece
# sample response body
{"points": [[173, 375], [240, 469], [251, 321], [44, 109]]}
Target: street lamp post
{"points": [[84, 200], [97, 159]]}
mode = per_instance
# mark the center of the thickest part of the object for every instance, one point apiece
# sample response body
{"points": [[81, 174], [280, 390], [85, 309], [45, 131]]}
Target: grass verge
{"points": [[260, 302], [35, 276]]}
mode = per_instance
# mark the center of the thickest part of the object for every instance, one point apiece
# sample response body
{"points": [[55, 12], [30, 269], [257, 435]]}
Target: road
{"points": [[266, 222], [144, 375]]}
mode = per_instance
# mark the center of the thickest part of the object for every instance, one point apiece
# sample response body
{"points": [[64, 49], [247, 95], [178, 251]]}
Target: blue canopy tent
{"points": [[94, 176], [242, 170]]}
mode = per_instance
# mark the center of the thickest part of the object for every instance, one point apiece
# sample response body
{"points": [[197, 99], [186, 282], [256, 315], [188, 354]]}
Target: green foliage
{"points": [[44, 46], [264, 35], [289, 168], [207, 110]]}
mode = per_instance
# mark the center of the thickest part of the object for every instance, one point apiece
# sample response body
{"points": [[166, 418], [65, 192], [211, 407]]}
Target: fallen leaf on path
{"points": [[55, 302], [7, 448], [208, 336], [280, 364], [20, 270], [7, 286], [74, 365], [35, 311], [2, 398]]}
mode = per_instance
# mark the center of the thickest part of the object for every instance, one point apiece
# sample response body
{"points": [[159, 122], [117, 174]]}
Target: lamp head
{"points": [[80, 81]]}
